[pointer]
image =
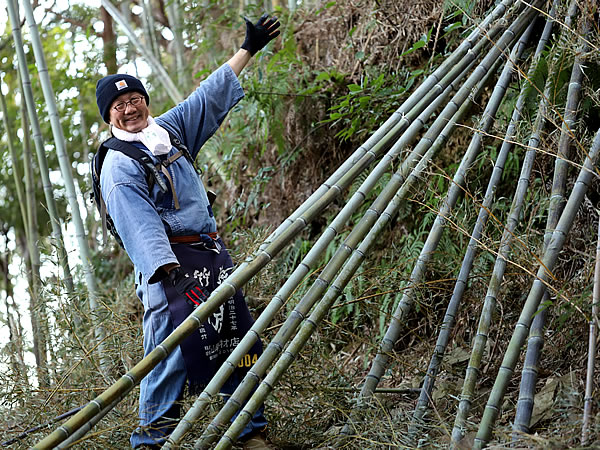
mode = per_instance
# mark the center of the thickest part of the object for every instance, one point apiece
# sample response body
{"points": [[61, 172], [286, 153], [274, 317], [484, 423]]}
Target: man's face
{"points": [[132, 118]]}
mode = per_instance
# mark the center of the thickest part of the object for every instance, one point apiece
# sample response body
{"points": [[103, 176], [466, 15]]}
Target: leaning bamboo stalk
{"points": [[589, 380], [535, 294], [380, 363], [75, 437], [38, 139], [67, 175], [535, 342], [303, 308], [309, 263], [480, 340], [484, 212], [369, 235]]}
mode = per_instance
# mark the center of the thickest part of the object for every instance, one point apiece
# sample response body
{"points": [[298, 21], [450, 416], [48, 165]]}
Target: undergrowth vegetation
{"points": [[340, 71]]}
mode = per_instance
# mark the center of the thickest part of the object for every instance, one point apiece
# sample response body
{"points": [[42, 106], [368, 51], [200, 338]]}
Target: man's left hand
{"points": [[260, 33]]}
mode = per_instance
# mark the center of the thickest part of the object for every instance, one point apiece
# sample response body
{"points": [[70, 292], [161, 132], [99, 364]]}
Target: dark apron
{"points": [[209, 346]]}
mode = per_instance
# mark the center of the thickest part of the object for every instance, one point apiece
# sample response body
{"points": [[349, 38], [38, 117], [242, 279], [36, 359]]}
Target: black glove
{"points": [[259, 34], [188, 287]]}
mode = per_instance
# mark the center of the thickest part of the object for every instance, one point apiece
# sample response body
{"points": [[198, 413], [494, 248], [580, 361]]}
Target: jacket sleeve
{"points": [[125, 192], [197, 118]]}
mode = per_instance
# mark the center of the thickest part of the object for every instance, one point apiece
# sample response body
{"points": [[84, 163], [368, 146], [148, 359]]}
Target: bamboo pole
{"points": [[149, 28], [65, 168], [29, 105], [174, 19], [484, 212], [589, 380], [390, 199], [381, 361], [36, 307], [535, 294], [535, 341]]}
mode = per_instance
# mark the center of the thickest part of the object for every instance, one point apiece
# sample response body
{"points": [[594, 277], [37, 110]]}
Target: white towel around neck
{"points": [[154, 137]]}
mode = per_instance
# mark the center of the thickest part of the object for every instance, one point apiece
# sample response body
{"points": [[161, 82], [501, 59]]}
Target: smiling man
{"points": [[167, 228]]}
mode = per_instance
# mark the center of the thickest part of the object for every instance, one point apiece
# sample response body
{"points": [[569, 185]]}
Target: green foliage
{"points": [[367, 103]]}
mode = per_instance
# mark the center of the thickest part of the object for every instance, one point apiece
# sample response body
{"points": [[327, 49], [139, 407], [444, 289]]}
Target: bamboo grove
{"points": [[519, 46]]}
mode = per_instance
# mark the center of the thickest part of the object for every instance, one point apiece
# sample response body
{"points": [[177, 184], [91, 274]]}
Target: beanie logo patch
{"points": [[121, 84]]}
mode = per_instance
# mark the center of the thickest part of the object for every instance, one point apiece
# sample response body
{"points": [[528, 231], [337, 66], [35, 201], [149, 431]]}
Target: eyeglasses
{"points": [[133, 101]]}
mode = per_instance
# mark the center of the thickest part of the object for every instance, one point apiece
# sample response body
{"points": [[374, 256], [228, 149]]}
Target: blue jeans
{"points": [[162, 389]]}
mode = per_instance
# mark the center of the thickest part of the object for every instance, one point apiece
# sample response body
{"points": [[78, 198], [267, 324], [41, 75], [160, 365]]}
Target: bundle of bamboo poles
{"points": [[499, 40]]}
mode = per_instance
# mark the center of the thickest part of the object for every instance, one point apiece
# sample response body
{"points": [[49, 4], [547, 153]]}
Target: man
{"points": [[169, 232]]}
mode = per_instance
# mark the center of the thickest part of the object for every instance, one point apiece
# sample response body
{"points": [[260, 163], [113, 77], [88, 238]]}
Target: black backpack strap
{"points": [[140, 156], [176, 142]]}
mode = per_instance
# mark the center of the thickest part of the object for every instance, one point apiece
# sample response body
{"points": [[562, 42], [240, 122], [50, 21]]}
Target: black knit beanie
{"points": [[111, 86]]}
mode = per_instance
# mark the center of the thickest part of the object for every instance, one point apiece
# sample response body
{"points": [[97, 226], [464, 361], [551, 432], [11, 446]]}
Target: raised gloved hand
{"points": [[260, 33], [188, 287]]}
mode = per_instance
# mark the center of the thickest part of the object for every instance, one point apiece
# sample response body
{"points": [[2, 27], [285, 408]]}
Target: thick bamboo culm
{"points": [[381, 361], [368, 232], [283, 235], [589, 379], [549, 259], [535, 341], [303, 308], [461, 283]]}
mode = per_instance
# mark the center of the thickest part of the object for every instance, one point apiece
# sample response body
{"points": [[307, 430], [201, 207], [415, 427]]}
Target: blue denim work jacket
{"points": [[145, 220]]}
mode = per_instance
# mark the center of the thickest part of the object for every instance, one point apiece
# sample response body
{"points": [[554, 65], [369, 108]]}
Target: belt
{"points": [[192, 239]]}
